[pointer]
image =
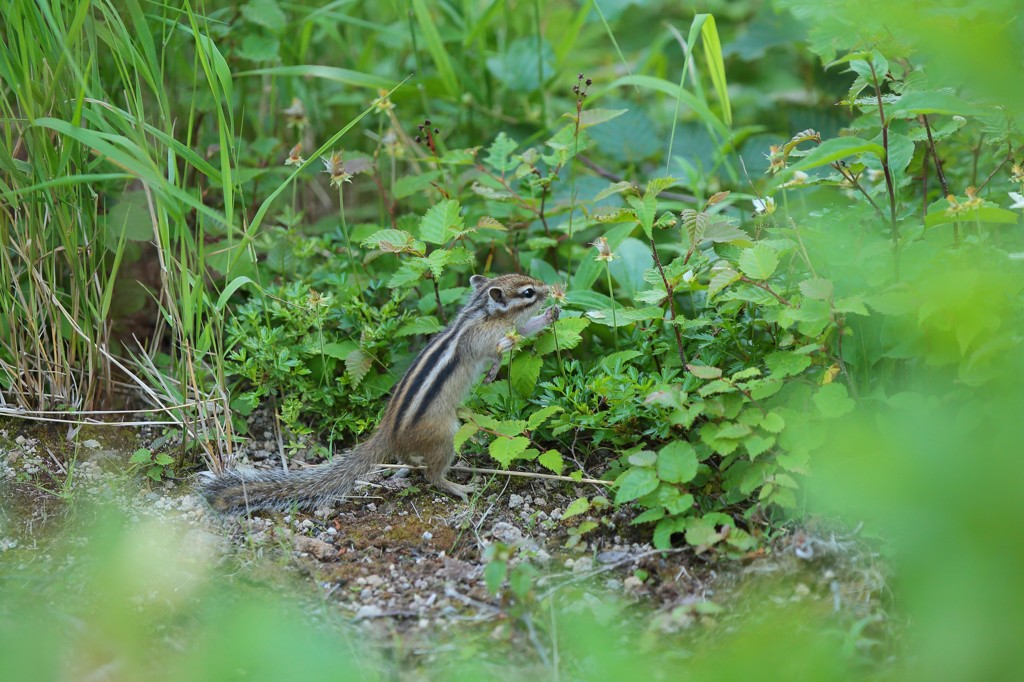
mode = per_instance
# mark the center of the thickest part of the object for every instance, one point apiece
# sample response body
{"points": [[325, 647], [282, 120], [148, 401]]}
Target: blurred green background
{"points": [[149, 227]]}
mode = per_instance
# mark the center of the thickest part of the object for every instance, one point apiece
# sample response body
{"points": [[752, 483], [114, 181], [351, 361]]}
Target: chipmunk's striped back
{"points": [[419, 423]]}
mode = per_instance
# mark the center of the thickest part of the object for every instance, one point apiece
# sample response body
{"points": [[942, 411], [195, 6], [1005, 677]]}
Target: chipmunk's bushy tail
{"points": [[236, 492]]}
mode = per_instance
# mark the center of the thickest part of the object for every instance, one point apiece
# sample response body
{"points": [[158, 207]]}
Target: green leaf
{"points": [[141, 456], [524, 371], [421, 324], [662, 538], [540, 416], [701, 532], [593, 117], [982, 214], [756, 444], [721, 280], [759, 262], [656, 186], [635, 482], [677, 462], [394, 241], [520, 579], [411, 185], [265, 13], [494, 575], [787, 363], [465, 432], [581, 505], [499, 153], [716, 65], [568, 332], [649, 516], [552, 461], [817, 288], [913, 104], [357, 364], [441, 221], [644, 458], [163, 460], [436, 47], [705, 372], [504, 450], [834, 150], [773, 422], [833, 400]]}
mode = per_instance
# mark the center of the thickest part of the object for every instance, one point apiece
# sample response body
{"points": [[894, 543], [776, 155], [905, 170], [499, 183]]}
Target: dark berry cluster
{"points": [[427, 135]]}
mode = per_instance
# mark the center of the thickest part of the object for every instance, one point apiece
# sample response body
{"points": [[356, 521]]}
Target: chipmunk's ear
{"points": [[478, 281], [497, 295]]}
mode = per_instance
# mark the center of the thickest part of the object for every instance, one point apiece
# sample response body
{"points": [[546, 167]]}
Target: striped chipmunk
{"points": [[419, 423]]}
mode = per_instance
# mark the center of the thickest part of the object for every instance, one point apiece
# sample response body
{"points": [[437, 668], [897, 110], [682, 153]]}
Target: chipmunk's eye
{"points": [[528, 293]]}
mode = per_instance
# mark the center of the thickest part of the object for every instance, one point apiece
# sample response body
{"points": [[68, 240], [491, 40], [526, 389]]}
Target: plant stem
{"points": [[348, 242], [611, 295], [893, 229], [671, 303]]}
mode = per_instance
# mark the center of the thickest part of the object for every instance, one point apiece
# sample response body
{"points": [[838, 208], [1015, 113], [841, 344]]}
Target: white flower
{"points": [[1018, 199], [799, 177], [688, 276], [764, 206]]}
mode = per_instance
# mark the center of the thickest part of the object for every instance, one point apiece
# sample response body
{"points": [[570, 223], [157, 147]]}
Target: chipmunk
{"points": [[419, 424]]}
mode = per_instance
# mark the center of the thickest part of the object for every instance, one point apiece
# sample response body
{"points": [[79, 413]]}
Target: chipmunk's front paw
{"points": [[492, 373], [552, 313]]}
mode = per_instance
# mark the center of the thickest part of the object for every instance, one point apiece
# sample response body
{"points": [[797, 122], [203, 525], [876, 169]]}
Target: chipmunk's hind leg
{"points": [[437, 470]]}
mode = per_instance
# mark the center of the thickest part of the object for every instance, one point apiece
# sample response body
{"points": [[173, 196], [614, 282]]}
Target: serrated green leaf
{"points": [[759, 261], [394, 241], [411, 185], [568, 332], [504, 450], [552, 461], [593, 117], [423, 324], [705, 372], [499, 154], [834, 150], [817, 288], [773, 422], [524, 372], [581, 505], [644, 458], [164, 459], [635, 482], [756, 444], [614, 188], [357, 364], [540, 416], [833, 400], [465, 432], [722, 279], [787, 363], [441, 222], [649, 516], [677, 462], [662, 537], [701, 532], [141, 456], [656, 186]]}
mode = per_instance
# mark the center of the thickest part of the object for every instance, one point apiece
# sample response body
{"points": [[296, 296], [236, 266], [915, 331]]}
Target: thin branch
{"points": [[935, 157], [671, 303], [502, 472]]}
